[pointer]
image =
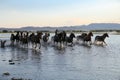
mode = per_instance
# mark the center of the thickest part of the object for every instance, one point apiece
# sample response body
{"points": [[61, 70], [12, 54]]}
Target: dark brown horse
{"points": [[87, 38], [12, 39], [36, 40], [25, 39], [81, 37], [17, 38], [101, 38], [46, 37], [59, 37]]}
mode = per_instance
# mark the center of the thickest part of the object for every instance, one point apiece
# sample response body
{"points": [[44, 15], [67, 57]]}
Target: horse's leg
{"points": [[90, 42], [66, 43], [60, 45], [53, 42], [83, 42], [27, 45], [3, 44], [63, 43], [35, 45], [32, 44], [71, 43], [39, 45], [104, 42], [12, 43], [95, 41]]}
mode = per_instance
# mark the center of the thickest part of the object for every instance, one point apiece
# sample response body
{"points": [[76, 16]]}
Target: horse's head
{"points": [[90, 34], [27, 33], [17, 32], [56, 32], [39, 34], [106, 35], [47, 34], [72, 35]]}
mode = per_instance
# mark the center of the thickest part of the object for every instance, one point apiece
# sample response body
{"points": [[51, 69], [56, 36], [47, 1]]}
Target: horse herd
{"points": [[60, 37]]}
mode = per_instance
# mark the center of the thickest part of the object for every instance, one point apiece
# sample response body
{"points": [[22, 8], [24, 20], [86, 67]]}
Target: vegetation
{"points": [[105, 30], [76, 31]]}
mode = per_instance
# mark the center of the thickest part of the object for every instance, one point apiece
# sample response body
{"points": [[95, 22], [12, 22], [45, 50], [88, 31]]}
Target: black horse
{"points": [[58, 38], [87, 38], [70, 38], [46, 37], [101, 38], [12, 39], [17, 38]]}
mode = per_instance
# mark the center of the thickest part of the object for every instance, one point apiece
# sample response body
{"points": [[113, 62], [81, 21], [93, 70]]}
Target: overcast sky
{"points": [[20, 13]]}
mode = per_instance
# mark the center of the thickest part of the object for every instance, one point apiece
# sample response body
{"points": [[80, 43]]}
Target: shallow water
{"points": [[77, 62]]}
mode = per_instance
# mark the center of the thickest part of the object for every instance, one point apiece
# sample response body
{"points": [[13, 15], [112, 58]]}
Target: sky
{"points": [[55, 13]]}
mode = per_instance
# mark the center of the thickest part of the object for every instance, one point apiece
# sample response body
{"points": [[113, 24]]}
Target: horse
{"points": [[12, 39], [46, 37], [80, 37], [3, 43], [64, 37], [36, 40], [58, 38], [70, 38], [101, 38], [87, 38], [25, 39], [17, 37]]}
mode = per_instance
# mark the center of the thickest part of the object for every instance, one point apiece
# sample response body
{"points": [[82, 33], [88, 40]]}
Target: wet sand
{"points": [[77, 62]]}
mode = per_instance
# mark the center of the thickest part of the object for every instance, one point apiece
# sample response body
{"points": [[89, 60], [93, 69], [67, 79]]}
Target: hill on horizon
{"points": [[93, 26]]}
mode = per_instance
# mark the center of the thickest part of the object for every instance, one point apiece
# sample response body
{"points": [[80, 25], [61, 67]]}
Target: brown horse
{"points": [[36, 40], [87, 38], [81, 37], [101, 38], [25, 39]]}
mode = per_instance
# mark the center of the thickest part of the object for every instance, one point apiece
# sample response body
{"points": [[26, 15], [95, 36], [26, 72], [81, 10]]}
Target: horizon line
{"points": [[61, 26]]}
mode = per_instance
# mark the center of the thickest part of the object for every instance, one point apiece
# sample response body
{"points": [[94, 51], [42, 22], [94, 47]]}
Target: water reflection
{"points": [[19, 54], [35, 55], [59, 50]]}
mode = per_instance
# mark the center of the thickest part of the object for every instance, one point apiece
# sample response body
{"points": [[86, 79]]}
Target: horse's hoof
{"points": [[10, 60], [6, 73], [11, 63]]}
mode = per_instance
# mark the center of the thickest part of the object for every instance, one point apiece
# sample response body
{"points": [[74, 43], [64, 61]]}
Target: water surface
{"points": [[80, 62]]}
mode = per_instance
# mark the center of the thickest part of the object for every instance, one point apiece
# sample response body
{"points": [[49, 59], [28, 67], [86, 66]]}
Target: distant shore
{"points": [[116, 32]]}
